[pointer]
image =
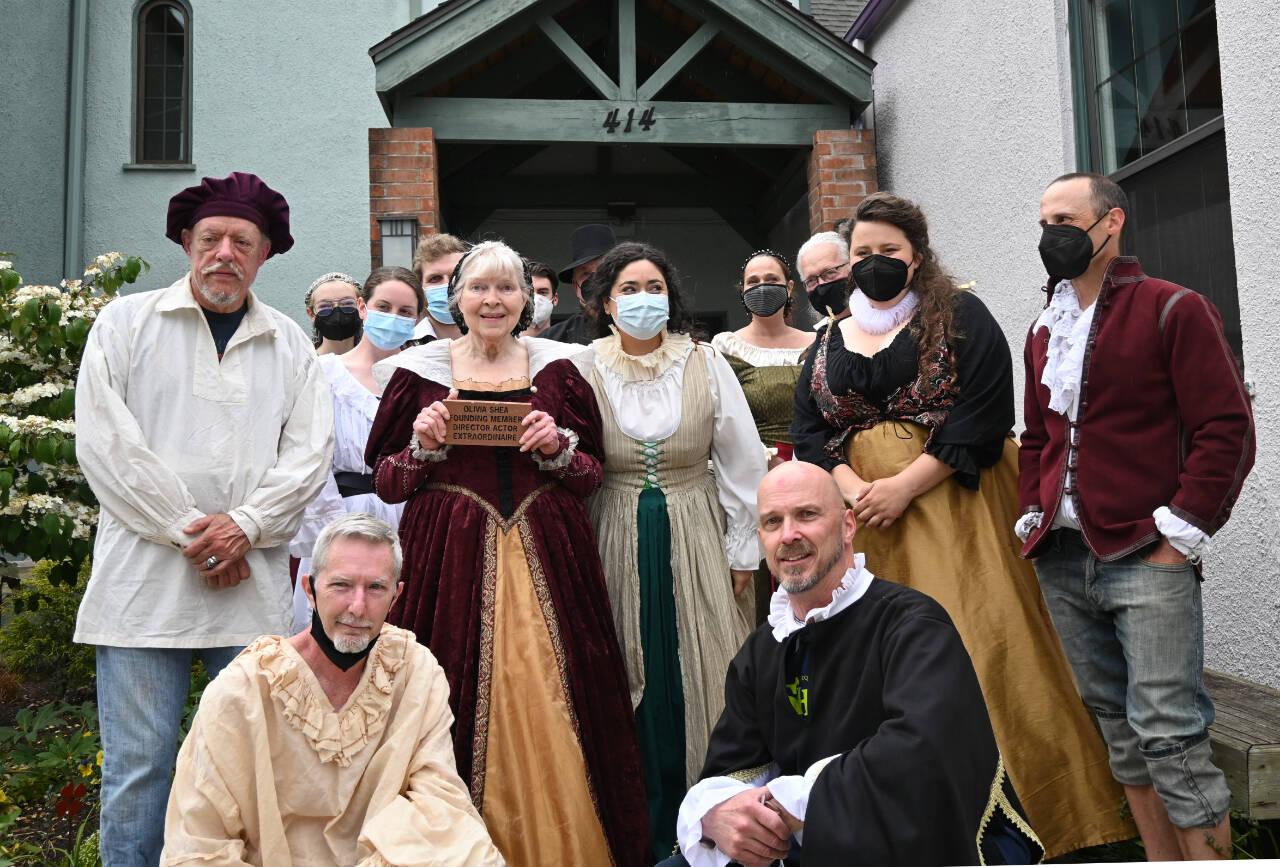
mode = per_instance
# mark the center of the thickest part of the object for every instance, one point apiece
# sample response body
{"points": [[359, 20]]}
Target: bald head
{"points": [[806, 530], [794, 475]]}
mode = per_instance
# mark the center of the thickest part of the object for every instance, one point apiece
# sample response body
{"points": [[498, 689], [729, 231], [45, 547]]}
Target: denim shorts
{"points": [[1133, 632]]}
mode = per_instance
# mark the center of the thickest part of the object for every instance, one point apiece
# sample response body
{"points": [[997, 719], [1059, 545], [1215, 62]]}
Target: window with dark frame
{"points": [[163, 88], [1148, 98]]}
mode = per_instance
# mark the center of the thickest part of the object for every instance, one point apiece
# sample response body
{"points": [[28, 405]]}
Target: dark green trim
{"points": [[1081, 113], [579, 59], [582, 120], [678, 60]]}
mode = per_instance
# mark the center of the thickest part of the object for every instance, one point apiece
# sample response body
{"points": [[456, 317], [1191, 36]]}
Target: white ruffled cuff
{"points": [[1027, 524], [430, 455], [1189, 540], [698, 801], [562, 458], [742, 545], [792, 791]]}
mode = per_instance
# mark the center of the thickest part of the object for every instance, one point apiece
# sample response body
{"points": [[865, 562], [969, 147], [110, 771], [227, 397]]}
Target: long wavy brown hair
{"points": [[935, 288]]}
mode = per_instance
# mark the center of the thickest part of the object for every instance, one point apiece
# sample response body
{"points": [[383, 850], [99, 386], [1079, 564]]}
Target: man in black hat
{"points": [[589, 243], [204, 427]]}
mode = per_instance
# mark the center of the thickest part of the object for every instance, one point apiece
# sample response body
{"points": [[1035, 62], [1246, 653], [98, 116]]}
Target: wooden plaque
{"points": [[485, 422]]}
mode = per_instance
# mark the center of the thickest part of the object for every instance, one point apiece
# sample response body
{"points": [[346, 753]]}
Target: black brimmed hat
{"points": [[587, 242]]}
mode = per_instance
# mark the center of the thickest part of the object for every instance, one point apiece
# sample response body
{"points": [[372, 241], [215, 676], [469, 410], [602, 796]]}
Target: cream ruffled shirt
{"points": [[272, 774], [645, 393], [167, 433]]}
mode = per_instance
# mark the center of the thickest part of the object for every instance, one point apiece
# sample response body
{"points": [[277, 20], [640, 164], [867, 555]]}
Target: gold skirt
{"points": [[958, 546]]}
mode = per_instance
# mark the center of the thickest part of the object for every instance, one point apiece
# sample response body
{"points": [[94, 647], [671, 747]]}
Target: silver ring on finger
{"points": [[211, 562]]}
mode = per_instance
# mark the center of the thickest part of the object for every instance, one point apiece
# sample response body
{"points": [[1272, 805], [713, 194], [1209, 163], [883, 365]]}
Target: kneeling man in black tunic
{"points": [[854, 730]]}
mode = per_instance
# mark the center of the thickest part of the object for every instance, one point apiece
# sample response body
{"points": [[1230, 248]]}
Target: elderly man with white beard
{"points": [[204, 427], [331, 747], [854, 730]]}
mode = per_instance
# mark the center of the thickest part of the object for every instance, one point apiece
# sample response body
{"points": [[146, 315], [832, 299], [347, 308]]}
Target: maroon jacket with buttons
{"points": [[1163, 420]]}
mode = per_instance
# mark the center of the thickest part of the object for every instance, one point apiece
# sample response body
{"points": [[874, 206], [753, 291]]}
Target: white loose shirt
{"points": [[165, 434]]}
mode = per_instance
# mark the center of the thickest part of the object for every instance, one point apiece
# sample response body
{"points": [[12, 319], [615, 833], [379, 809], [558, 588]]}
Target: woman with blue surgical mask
{"points": [[390, 304], [678, 542]]}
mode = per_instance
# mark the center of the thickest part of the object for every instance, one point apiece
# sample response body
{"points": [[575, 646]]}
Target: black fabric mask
{"points": [[830, 298], [343, 660], [765, 299], [1067, 250], [338, 324], [881, 278]]}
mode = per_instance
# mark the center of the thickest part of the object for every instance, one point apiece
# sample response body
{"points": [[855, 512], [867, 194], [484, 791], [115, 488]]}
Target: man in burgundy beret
{"points": [[204, 427], [1139, 436]]}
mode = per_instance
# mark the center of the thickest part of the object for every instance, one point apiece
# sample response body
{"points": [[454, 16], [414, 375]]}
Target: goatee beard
{"points": [[812, 580]]}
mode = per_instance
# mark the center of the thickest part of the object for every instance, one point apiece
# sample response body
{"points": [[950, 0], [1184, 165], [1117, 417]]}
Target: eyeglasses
{"points": [[324, 308], [826, 276]]}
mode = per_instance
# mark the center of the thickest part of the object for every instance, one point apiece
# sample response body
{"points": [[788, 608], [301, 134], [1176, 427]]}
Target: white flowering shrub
{"points": [[46, 509]]}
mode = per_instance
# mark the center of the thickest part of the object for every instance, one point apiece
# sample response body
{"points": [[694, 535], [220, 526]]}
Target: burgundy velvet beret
{"points": [[239, 194]]}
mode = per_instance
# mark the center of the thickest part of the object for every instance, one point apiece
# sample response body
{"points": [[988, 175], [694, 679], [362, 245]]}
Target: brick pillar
{"points": [[402, 181], [842, 172]]}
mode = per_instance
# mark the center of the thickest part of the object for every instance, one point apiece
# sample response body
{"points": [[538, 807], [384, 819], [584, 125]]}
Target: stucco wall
{"points": [[972, 124], [1242, 597], [33, 125], [973, 117], [285, 95]]}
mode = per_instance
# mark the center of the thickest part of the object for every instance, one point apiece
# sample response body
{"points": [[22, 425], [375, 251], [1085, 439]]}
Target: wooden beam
{"points": [[579, 59], [627, 49], [586, 120], [677, 61], [398, 59]]}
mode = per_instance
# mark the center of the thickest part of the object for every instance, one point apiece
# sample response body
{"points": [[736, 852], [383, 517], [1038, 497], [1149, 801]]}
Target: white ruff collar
{"points": [[854, 583], [876, 320]]}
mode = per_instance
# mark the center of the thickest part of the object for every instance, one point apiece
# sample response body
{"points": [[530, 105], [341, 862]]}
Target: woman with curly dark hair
{"points": [[678, 543], [908, 402]]}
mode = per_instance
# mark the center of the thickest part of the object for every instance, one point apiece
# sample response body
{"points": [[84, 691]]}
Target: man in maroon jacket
{"points": [[1139, 436]]}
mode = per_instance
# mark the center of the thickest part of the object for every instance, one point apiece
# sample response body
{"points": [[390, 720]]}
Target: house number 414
{"points": [[645, 121]]}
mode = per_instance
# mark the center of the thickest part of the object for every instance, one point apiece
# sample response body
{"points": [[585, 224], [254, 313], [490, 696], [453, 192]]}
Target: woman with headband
{"points": [[766, 355], [331, 303], [390, 304], [502, 578]]}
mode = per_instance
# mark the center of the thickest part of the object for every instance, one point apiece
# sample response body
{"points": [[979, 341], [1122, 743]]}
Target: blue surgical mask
{"points": [[386, 330], [438, 303], [642, 315]]}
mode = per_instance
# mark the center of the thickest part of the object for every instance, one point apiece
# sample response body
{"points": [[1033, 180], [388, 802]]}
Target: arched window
{"points": [[163, 83]]}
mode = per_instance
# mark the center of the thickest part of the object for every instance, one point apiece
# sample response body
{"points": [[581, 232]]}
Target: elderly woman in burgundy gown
{"points": [[503, 580]]}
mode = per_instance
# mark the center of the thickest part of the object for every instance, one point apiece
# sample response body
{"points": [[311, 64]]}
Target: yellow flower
{"points": [[3, 797], [99, 758], [86, 770]]}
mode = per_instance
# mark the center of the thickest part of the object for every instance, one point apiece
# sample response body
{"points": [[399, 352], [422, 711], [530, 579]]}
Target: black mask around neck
{"points": [[339, 658], [1067, 250]]}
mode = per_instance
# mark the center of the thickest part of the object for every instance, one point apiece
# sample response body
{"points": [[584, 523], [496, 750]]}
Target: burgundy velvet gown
{"points": [[458, 520]]}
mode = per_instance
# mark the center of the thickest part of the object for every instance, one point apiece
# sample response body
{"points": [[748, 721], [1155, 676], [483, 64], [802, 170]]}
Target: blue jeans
{"points": [[141, 691], [1133, 632]]}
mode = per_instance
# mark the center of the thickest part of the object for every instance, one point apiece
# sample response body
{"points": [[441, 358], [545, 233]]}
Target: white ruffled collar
{"points": [[433, 362], [730, 343], [634, 368], [878, 320], [1068, 338], [852, 587]]}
